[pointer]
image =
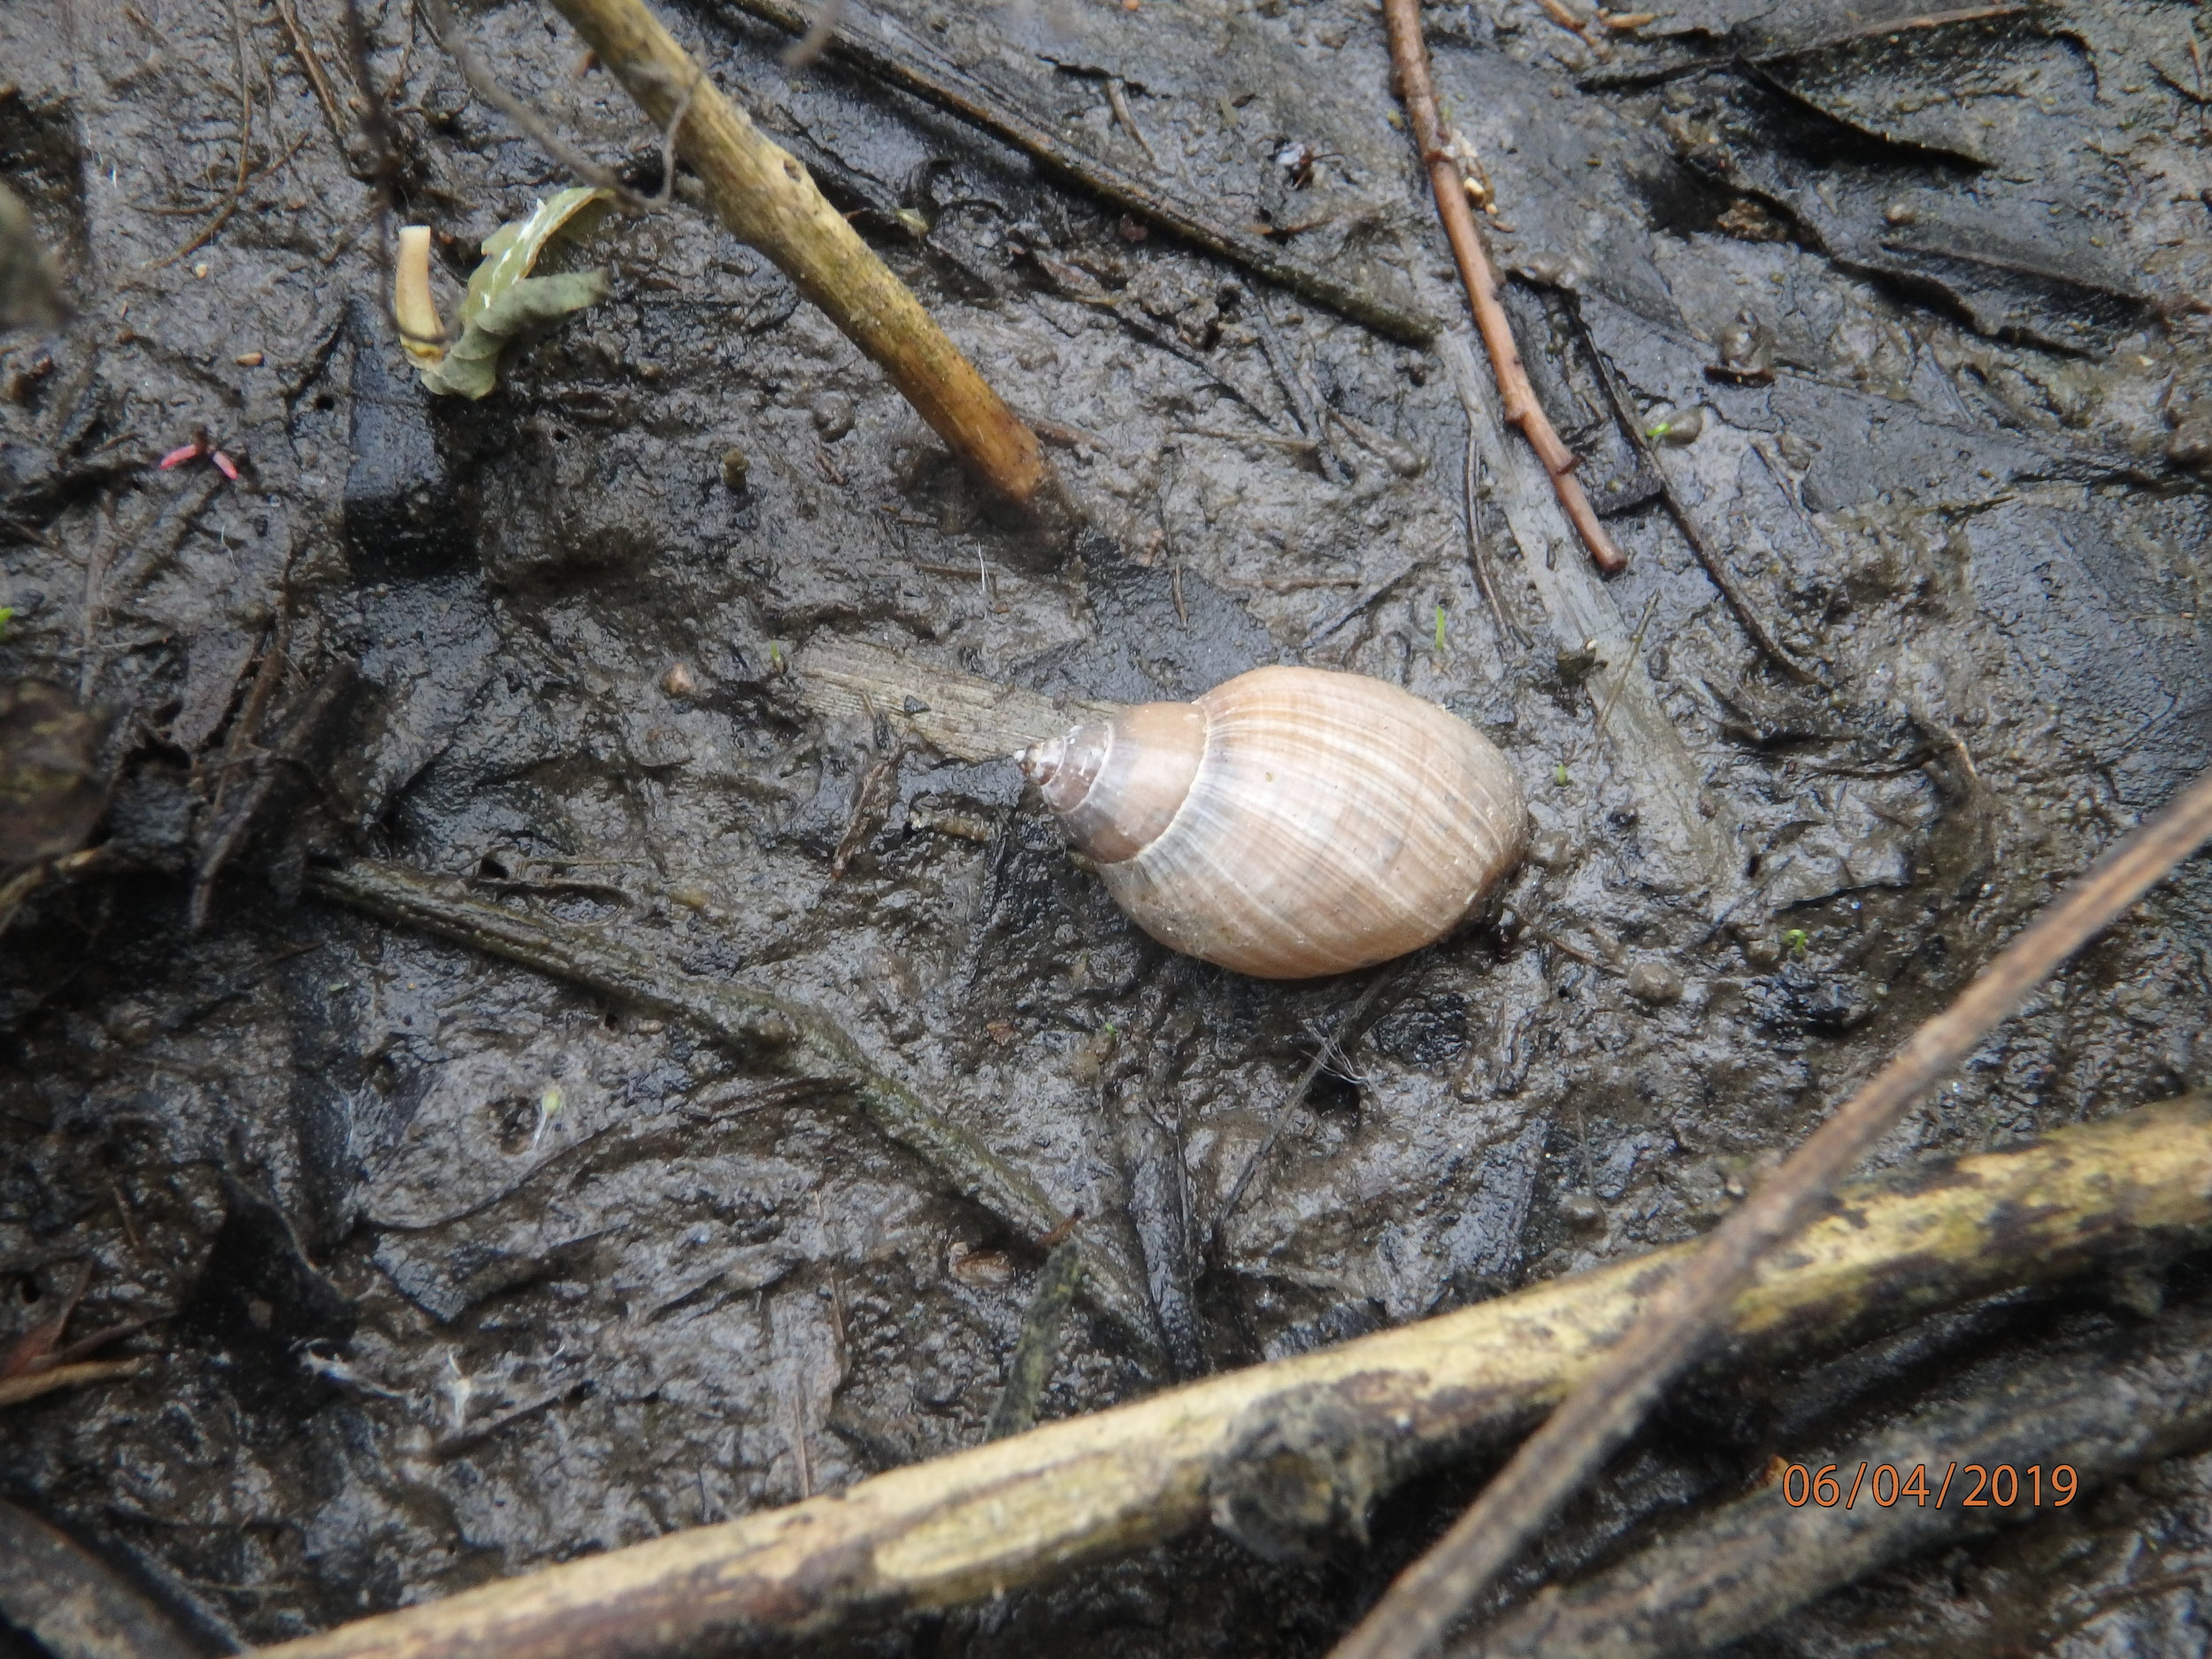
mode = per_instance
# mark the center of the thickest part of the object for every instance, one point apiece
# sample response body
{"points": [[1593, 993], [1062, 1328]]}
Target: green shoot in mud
{"points": [[503, 299]]}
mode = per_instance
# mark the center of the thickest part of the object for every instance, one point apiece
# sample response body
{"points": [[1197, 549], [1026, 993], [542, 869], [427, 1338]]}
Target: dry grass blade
{"points": [[1426, 1600], [1409, 62]]}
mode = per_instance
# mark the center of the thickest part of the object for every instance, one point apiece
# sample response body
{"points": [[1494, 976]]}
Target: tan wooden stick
{"points": [[1020, 1510], [770, 202]]}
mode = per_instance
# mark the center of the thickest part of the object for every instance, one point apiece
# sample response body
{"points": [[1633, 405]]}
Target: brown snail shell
{"points": [[1291, 823]]}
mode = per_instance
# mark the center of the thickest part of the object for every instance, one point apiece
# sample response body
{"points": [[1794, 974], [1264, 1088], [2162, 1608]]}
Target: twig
{"points": [[1294, 388], [768, 201], [31, 1385], [934, 82], [1409, 57], [237, 192], [1037, 1350], [1023, 1510], [1621, 79], [1510, 635], [791, 1035], [1647, 452], [819, 35], [1606, 1408], [2095, 1413], [1117, 100], [318, 77], [446, 30], [1346, 1031]]}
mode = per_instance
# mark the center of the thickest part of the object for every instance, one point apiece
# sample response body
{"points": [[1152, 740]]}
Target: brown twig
{"points": [[1410, 59], [1647, 452], [446, 30], [318, 77], [1606, 1408], [769, 202], [952, 90], [2095, 1412], [1509, 636], [819, 34], [1024, 1511], [244, 175]]}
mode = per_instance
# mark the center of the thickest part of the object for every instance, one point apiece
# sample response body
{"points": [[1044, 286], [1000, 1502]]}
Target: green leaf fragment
{"points": [[504, 300]]}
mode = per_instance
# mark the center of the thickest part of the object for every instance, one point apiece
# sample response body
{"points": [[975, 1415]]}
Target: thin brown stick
{"points": [[1754, 625], [446, 30], [1410, 60], [1601, 1414], [318, 77], [237, 192], [935, 82], [1024, 1511], [819, 33], [1509, 636], [769, 202]]}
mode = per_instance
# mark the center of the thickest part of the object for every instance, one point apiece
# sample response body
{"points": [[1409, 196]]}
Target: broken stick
{"points": [[770, 202], [1018, 1511], [1409, 61], [1607, 1408]]}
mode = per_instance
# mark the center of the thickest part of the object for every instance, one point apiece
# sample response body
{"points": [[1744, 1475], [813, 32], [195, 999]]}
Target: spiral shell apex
{"points": [[1290, 823]]}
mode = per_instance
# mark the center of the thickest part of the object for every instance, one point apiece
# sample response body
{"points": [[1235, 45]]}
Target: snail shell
{"points": [[1291, 823]]}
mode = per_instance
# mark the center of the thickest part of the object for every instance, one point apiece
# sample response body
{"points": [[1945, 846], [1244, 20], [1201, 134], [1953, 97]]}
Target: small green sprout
{"points": [[1559, 774], [1796, 938], [7, 615], [549, 1105], [1439, 627]]}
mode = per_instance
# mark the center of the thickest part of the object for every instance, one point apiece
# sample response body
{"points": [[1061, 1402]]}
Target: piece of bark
{"points": [[964, 716]]}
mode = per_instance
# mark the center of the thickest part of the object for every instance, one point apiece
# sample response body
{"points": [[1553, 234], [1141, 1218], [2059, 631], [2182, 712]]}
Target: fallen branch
{"points": [[951, 90], [1017, 1511], [2096, 1414], [768, 201], [790, 1035], [1425, 1599], [1409, 61]]}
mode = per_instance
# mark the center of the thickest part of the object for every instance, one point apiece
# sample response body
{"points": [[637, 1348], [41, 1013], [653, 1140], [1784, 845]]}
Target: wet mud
{"points": [[464, 1269]]}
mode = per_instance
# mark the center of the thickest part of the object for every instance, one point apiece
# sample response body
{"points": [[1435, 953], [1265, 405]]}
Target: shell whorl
{"points": [[1292, 822]]}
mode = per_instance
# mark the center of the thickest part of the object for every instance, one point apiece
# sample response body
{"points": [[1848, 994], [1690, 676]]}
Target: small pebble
{"points": [[200, 270], [1651, 982], [980, 1269], [1550, 850], [247, 359], [1581, 1211], [735, 468], [1678, 427], [1762, 950], [832, 416], [680, 681], [691, 898]]}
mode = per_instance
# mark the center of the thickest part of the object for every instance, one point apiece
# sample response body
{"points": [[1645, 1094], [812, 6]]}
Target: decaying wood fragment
{"points": [[1017, 1511], [964, 716]]}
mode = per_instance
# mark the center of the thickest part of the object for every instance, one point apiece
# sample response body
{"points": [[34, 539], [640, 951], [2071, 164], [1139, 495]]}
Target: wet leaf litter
{"points": [[1947, 476]]}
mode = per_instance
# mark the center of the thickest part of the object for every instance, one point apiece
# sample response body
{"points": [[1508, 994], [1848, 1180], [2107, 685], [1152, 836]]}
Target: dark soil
{"points": [[468, 1271]]}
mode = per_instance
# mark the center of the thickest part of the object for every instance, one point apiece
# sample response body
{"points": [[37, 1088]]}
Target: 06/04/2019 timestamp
{"points": [[1967, 1485]]}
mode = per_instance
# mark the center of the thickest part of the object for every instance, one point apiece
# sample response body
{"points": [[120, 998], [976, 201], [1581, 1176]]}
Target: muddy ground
{"points": [[468, 1271]]}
